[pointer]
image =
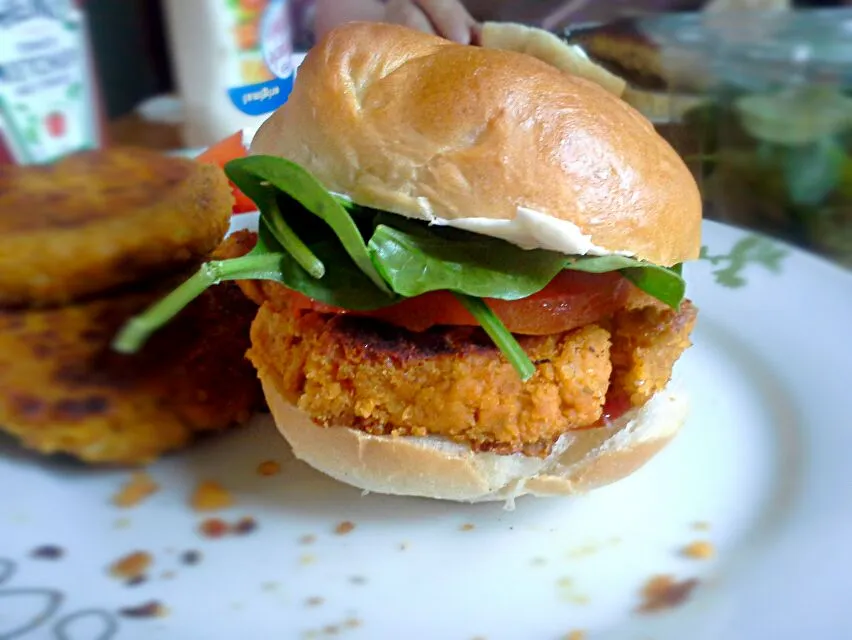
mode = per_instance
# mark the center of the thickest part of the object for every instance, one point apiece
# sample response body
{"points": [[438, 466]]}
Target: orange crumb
{"points": [[268, 468], [344, 527], [664, 592], [131, 566], [211, 496], [576, 634], [352, 623], [468, 527], [135, 490], [699, 550], [214, 528], [701, 526]]}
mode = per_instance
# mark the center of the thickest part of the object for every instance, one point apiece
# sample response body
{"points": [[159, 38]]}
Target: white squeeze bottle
{"points": [[233, 63]]}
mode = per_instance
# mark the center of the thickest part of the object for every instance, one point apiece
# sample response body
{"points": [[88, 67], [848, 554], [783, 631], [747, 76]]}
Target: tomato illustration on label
{"points": [[55, 124], [47, 88]]}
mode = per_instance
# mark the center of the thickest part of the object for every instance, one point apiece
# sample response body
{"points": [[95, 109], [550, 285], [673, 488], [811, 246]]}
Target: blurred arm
{"points": [[332, 13]]}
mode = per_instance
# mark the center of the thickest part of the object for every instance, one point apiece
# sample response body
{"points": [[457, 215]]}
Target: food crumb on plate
{"points": [[403, 546], [268, 468], [190, 557], [214, 528], [245, 526], [576, 634], [314, 601], [331, 629], [569, 594], [269, 586], [168, 575], [307, 559], [699, 550], [122, 523], [664, 592], [131, 566], [47, 552], [150, 609], [359, 580], [468, 527], [136, 581], [308, 539], [344, 528], [701, 525], [135, 491], [210, 495], [352, 623]]}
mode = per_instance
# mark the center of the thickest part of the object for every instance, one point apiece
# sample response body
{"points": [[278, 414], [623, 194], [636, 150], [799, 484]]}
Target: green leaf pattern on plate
{"points": [[750, 250]]}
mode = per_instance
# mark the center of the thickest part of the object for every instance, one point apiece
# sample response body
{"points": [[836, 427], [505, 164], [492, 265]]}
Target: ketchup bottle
{"points": [[49, 98]]}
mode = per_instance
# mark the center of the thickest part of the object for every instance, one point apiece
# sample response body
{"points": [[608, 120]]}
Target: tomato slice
{"points": [[220, 154], [572, 299]]}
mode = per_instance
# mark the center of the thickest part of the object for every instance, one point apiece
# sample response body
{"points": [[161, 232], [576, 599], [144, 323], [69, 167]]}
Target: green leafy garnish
{"points": [[414, 264], [351, 257], [664, 283], [259, 177], [501, 336]]}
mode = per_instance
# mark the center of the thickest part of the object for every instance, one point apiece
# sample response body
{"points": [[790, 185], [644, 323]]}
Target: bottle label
{"points": [[264, 50], [47, 105]]}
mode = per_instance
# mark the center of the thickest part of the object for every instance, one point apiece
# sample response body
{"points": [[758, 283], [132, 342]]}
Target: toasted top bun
{"points": [[433, 467], [492, 141]]}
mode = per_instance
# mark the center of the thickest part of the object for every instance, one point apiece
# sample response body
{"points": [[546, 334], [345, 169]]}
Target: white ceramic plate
{"points": [[764, 459]]}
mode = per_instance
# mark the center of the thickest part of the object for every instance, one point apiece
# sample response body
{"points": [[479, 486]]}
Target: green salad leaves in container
{"points": [[772, 141]]}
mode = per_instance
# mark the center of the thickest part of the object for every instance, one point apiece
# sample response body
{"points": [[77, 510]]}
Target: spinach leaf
{"points": [[499, 334], [343, 285], [260, 176], [666, 284], [415, 263]]}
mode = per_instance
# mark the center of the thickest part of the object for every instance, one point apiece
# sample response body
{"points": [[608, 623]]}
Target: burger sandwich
{"points": [[468, 265]]}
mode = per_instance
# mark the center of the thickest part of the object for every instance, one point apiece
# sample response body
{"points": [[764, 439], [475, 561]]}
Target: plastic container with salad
{"points": [[771, 137]]}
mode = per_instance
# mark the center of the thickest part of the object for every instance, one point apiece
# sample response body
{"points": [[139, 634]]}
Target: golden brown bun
{"points": [[433, 467], [414, 124]]}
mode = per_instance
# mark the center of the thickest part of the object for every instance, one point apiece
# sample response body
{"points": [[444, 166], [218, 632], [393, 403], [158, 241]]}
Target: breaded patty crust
{"points": [[452, 382], [100, 219], [63, 390]]}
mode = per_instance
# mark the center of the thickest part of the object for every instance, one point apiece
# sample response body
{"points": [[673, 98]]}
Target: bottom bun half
{"points": [[434, 467]]}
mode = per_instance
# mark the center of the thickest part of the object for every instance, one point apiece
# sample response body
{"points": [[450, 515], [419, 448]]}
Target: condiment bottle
{"points": [[233, 63], [49, 99]]}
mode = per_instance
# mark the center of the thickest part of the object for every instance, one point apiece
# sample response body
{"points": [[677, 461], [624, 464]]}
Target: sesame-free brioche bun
{"points": [[433, 467], [494, 141]]}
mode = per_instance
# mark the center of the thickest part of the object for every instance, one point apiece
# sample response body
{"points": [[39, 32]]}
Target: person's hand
{"points": [[446, 18]]}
